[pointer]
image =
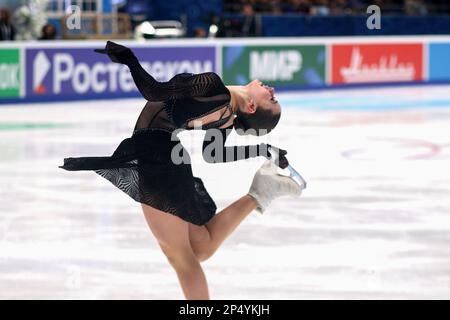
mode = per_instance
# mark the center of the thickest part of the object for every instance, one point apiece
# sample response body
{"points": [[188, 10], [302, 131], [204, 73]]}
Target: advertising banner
{"points": [[377, 62], [439, 62], [288, 65], [79, 73], [10, 80]]}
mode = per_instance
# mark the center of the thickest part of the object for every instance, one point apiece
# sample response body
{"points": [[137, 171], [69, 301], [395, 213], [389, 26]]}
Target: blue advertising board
{"points": [[439, 62], [80, 73]]}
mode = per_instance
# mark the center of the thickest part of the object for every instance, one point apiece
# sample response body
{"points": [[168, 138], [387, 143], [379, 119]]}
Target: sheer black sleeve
{"points": [[180, 86], [215, 151], [185, 85]]}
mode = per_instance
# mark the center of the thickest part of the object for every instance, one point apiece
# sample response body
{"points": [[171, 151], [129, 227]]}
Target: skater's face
{"points": [[263, 96]]}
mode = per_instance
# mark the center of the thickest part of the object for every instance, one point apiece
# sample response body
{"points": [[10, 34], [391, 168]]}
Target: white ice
{"points": [[374, 221]]}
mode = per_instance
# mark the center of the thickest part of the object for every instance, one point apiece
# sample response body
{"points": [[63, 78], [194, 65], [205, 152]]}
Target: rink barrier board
{"points": [[277, 65], [72, 72], [10, 73], [432, 51]]}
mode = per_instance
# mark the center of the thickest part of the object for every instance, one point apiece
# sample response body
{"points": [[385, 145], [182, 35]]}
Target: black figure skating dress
{"points": [[142, 165]]}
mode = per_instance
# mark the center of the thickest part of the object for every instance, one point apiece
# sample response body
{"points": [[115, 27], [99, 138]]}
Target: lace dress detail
{"points": [[142, 167]]}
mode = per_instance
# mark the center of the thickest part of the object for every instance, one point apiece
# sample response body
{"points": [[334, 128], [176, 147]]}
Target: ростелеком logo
{"points": [[79, 71], [41, 67]]}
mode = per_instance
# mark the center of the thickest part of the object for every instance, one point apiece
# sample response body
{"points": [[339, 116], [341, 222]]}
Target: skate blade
{"points": [[292, 172], [296, 177]]}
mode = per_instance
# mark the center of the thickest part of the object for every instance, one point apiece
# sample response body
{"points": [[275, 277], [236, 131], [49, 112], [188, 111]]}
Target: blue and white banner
{"points": [[81, 73]]}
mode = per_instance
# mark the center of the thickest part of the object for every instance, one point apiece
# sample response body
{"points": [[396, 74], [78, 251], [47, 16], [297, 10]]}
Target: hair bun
{"points": [[238, 126], [238, 123]]}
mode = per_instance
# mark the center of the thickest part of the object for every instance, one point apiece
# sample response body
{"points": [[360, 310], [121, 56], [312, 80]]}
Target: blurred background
{"points": [[223, 18], [366, 120]]}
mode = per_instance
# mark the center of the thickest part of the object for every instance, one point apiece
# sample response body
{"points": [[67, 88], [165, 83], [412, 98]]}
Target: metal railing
{"points": [[99, 26]]}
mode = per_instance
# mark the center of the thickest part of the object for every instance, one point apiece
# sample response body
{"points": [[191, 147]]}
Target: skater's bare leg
{"points": [[266, 186], [172, 234], [205, 240]]}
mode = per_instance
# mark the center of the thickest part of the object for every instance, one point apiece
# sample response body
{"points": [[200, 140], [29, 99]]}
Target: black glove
{"points": [[117, 53], [282, 160]]}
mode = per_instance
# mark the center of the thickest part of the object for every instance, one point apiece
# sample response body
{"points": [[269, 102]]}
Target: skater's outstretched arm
{"points": [[149, 87], [215, 151], [204, 84]]}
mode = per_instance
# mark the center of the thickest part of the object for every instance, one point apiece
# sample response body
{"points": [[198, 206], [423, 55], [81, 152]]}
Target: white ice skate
{"points": [[292, 172], [268, 185]]}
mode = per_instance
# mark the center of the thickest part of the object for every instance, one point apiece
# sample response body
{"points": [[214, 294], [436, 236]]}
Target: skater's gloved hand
{"points": [[117, 53], [282, 160]]}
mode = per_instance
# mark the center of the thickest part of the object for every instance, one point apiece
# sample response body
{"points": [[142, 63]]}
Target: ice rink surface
{"points": [[374, 221]]}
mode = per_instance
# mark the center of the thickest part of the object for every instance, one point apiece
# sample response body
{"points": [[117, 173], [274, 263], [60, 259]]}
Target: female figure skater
{"points": [[177, 207]]}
